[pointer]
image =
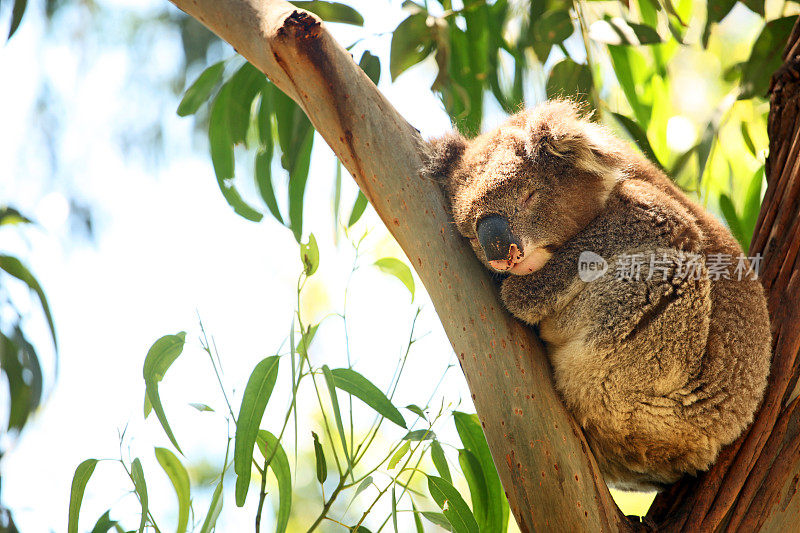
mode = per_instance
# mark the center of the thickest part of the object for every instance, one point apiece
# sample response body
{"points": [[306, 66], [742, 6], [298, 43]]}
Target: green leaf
{"points": [[756, 6], [472, 437], [394, 510], [254, 402], [358, 209], [453, 506], [398, 269], [319, 454], [79, 481], [332, 12], [140, 486], [411, 43], [354, 383], [765, 57], [417, 410], [104, 523], [15, 268], [419, 434], [9, 215], [626, 61], [264, 118], [716, 11], [263, 174], [553, 27], [618, 31], [748, 141], [417, 521], [729, 212], [309, 255], [440, 461], [148, 407], [202, 407], [476, 480], [159, 358], [199, 91], [16, 16], [399, 454], [245, 85], [439, 519], [214, 508], [271, 447], [220, 141], [752, 205], [639, 136], [298, 177], [371, 65], [363, 485], [306, 339], [330, 381], [568, 78], [180, 482]]}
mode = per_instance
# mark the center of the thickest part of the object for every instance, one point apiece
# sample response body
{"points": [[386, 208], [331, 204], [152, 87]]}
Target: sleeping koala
{"points": [[660, 354]]}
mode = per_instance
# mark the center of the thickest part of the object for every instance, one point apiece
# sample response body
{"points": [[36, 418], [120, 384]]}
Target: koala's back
{"points": [[663, 372]]}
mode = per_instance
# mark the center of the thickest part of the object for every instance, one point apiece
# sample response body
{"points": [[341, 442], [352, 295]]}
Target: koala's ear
{"points": [[444, 154]]}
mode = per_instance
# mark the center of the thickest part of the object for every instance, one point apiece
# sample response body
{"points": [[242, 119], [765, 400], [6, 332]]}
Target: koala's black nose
{"points": [[496, 238]]}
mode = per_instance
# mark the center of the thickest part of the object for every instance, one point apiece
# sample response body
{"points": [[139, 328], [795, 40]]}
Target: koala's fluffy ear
{"points": [[443, 157]]}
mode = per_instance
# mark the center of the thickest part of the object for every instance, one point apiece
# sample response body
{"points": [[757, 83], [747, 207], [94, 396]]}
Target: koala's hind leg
{"points": [[629, 364]]}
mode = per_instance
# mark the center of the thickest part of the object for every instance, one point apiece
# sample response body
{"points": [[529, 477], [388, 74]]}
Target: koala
{"points": [[661, 368]]}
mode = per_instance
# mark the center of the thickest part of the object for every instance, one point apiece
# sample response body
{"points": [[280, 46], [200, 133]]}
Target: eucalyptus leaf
{"points": [[438, 519], [620, 31], [398, 269], [411, 43], [765, 57], [332, 11], [358, 209], [399, 454], [568, 78], [420, 434], [371, 65], [214, 508], [639, 136], [199, 91], [330, 381], [14, 267], [309, 255], [319, 455], [271, 447], [254, 401], [140, 486], [79, 480], [354, 383], [440, 461], [159, 358], [472, 437], [453, 506], [104, 523], [180, 482]]}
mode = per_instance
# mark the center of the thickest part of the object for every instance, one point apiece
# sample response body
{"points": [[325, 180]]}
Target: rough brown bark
{"points": [[753, 486], [550, 477]]}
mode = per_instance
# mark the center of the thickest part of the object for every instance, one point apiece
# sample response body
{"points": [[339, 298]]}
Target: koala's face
{"points": [[521, 191]]}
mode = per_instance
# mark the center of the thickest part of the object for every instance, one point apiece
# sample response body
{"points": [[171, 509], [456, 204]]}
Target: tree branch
{"points": [[551, 479]]}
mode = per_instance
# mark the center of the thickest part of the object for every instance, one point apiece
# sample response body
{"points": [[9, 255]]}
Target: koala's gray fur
{"points": [[660, 373]]}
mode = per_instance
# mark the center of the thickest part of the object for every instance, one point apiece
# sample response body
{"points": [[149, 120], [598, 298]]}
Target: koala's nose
{"points": [[497, 241]]}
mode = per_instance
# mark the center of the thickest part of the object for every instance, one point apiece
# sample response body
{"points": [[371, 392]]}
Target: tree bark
{"points": [[549, 475]]}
